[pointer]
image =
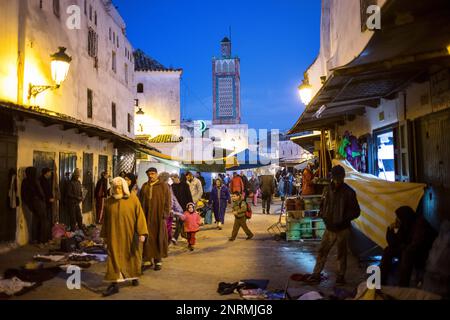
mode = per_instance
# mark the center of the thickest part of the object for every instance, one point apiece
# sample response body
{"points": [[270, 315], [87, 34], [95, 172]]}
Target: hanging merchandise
{"points": [[350, 149]]}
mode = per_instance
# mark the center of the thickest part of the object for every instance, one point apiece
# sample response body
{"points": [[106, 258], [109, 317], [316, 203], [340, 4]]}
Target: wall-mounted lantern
{"points": [[59, 67]]}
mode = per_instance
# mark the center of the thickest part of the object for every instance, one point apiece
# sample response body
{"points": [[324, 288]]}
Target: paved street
{"points": [[195, 275]]}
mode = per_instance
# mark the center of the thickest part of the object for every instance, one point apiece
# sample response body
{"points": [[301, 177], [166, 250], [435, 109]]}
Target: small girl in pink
{"points": [[192, 223]]}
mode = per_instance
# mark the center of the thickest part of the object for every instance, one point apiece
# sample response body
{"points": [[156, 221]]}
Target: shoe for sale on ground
{"points": [[112, 289], [340, 281], [135, 283], [174, 241], [219, 226], [313, 279], [250, 237]]}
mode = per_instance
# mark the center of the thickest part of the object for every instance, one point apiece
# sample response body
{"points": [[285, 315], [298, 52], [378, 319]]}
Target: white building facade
{"points": [[83, 123]]}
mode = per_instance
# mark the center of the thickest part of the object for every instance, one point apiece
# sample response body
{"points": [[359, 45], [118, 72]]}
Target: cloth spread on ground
{"points": [[393, 293], [253, 294], [13, 286], [49, 258], [229, 288], [313, 295], [38, 275], [378, 200]]}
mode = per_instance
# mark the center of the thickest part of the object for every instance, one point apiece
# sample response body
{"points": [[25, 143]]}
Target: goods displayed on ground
{"points": [[82, 249]]}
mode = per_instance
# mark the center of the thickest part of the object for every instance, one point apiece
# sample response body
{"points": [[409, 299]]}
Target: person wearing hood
{"points": [[34, 199], [398, 237], [45, 180], [101, 193], [124, 230], [156, 201], [74, 199], [183, 194]]}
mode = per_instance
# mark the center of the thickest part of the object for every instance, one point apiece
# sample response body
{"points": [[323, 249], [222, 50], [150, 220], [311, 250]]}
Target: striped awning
{"points": [[378, 200]]}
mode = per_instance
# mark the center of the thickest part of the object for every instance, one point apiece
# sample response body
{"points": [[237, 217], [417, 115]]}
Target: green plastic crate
{"points": [[293, 235]]}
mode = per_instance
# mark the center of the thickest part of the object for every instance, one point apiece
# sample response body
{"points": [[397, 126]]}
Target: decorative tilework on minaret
{"points": [[226, 87]]}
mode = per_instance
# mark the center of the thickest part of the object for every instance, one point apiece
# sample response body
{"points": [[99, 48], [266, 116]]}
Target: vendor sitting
{"points": [[409, 239]]}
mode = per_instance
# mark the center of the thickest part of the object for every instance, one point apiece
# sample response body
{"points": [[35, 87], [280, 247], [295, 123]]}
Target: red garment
{"points": [[192, 221], [237, 185], [307, 183], [191, 238]]}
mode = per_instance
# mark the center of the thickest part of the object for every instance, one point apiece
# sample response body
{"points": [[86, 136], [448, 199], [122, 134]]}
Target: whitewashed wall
{"points": [[41, 33], [9, 15], [160, 102], [341, 38]]}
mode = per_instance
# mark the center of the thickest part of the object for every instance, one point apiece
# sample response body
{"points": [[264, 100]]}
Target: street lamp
{"points": [[305, 90], [59, 67]]}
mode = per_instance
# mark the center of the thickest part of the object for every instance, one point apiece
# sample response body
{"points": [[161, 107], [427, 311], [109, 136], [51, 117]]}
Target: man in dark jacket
{"points": [[74, 199], [268, 186], [339, 207]]}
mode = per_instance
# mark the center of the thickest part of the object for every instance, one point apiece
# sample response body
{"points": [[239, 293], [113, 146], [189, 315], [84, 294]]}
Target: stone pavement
{"points": [[195, 275]]}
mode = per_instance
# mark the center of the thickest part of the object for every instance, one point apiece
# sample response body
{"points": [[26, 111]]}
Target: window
{"points": [[85, 7], [130, 120], [92, 43], [117, 41], [90, 102], [95, 18], [126, 73], [56, 8], [110, 34], [40, 4], [90, 12], [114, 37], [140, 88], [114, 62], [113, 115]]}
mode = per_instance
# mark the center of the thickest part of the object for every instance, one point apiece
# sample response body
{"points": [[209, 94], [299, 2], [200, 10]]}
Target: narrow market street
{"points": [[195, 275]]}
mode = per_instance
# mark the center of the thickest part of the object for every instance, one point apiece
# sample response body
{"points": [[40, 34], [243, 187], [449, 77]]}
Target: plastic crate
{"points": [[294, 225], [319, 229], [293, 235]]}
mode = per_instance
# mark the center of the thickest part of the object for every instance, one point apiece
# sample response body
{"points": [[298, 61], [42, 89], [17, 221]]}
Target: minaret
{"points": [[226, 86]]}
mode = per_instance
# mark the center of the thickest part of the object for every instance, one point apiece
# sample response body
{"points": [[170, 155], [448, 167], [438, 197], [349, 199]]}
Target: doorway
{"points": [[8, 165], [88, 181], [67, 165], [384, 154]]}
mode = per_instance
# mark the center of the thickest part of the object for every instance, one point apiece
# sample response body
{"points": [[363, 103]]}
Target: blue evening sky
{"points": [[276, 41]]}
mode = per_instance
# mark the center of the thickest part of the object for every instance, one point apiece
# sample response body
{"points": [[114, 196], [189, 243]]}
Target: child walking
{"points": [[192, 222], [240, 219]]}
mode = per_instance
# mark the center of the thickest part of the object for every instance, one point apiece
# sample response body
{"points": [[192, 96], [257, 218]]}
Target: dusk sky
{"points": [[276, 41]]}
